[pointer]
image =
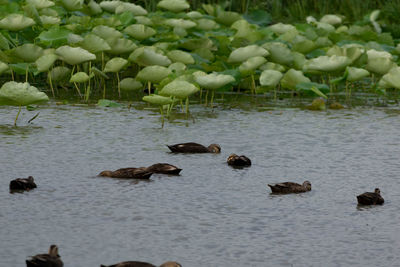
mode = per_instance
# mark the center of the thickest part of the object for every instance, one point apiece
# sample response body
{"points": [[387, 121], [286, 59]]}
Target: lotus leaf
{"points": [[373, 17], [139, 31], [227, 18], [281, 28], [311, 20], [270, 78], [54, 37], [326, 64], [3, 67], [108, 103], [293, 77], [192, 44], [289, 36], [279, 53], [247, 67], [272, 66], [298, 60], [246, 30], [27, 52], [391, 79], [94, 8], [177, 67], [325, 27], [353, 53], [110, 6], [79, 77], [183, 23], [210, 9], [214, 80], [74, 55], [130, 84], [115, 64], [59, 74], [180, 56], [173, 5], [179, 89], [120, 46], [145, 56], [258, 17], [158, 100], [130, 7], [4, 43], [94, 44], [243, 53], [331, 19], [194, 15], [144, 20], [206, 24], [39, 4], [372, 54], [355, 74], [74, 38], [380, 65], [323, 42], [205, 53], [302, 44], [21, 94], [313, 87], [179, 31], [317, 104], [72, 5], [45, 62], [106, 32], [49, 20], [16, 22], [154, 74]]}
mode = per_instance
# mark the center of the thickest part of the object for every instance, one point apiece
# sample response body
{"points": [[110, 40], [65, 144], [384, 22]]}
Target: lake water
{"points": [[212, 214]]}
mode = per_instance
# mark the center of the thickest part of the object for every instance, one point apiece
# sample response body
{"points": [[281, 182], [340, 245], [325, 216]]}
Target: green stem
{"points": [[212, 99], [187, 106], [51, 84], [119, 87], [149, 87], [77, 89], [26, 74], [162, 116], [16, 118], [205, 104]]}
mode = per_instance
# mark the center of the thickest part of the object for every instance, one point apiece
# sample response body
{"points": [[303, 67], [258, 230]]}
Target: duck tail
{"points": [[172, 148]]}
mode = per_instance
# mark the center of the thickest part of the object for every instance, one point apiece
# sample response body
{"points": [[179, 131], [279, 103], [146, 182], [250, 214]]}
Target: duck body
{"points": [[20, 184], [52, 259], [371, 198], [164, 168], [142, 264], [128, 173], [238, 161], [289, 187], [194, 148]]}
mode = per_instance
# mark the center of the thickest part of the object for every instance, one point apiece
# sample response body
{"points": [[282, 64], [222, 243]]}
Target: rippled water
{"points": [[211, 215]]}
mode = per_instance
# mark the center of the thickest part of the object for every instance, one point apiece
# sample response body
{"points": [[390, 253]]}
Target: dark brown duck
{"points": [[238, 161], [20, 184], [164, 168], [289, 187], [142, 264], [371, 198], [194, 148], [52, 259], [128, 173]]}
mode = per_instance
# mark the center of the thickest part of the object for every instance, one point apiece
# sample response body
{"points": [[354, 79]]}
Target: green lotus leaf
{"points": [[391, 79], [4, 44], [331, 19], [158, 100], [115, 64], [139, 31], [110, 6], [79, 77], [180, 32], [192, 44], [154, 74], [272, 66], [108, 103], [54, 37], [45, 62], [22, 68], [373, 17], [205, 53], [27, 52], [74, 38], [373, 54], [179, 89], [3, 67], [72, 5], [355, 74], [173, 5], [94, 8], [120, 46], [194, 15], [259, 17], [353, 53], [302, 44], [94, 44], [289, 36], [39, 4], [293, 77], [323, 42], [214, 80], [74, 55], [49, 20], [209, 9], [180, 56], [227, 18], [130, 7], [16, 22], [144, 20], [248, 67], [281, 28], [182, 23], [298, 60], [270, 78], [246, 30], [326, 64], [279, 53], [243, 53], [177, 68], [317, 104], [106, 32], [130, 84], [21, 94], [146, 56], [206, 24], [59, 74], [325, 27], [379, 65], [317, 88]]}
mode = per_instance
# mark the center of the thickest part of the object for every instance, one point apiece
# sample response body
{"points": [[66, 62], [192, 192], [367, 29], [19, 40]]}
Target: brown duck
{"points": [[142, 264], [194, 148], [128, 173], [371, 198], [52, 259], [238, 161], [164, 168], [289, 187], [22, 184]]}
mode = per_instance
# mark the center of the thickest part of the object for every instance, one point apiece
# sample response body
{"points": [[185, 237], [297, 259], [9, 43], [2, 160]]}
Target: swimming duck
{"points": [[238, 161], [136, 173], [371, 198], [143, 264], [22, 184], [164, 168], [194, 148], [52, 259], [289, 187]]}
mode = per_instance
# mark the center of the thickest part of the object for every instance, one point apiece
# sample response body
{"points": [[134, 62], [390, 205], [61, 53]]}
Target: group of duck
{"points": [[53, 259]]}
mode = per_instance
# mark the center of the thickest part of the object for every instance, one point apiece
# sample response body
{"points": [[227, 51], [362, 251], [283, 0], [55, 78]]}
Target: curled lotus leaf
{"points": [[280, 28], [173, 5], [302, 44], [79, 77], [182, 23], [144, 20], [180, 56], [16, 22], [373, 54], [158, 100], [272, 66], [243, 53], [331, 19], [206, 24], [120, 46], [326, 64], [293, 77], [194, 15], [391, 79], [3, 67], [59, 74], [355, 74], [115, 64], [179, 89], [139, 31], [247, 67], [146, 56], [270, 78], [94, 8], [50, 20], [106, 32], [325, 27], [27, 52], [72, 5], [279, 53], [39, 4], [154, 74], [94, 44], [45, 62], [130, 84], [227, 18], [353, 53], [74, 55], [214, 80], [20, 94], [298, 60], [74, 38], [380, 65], [178, 68], [130, 7], [110, 6]]}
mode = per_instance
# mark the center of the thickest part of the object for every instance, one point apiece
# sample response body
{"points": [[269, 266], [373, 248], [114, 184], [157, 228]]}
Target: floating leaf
{"points": [[173, 5], [130, 84], [79, 77], [179, 89], [270, 78], [108, 103], [140, 31], [313, 87], [16, 22], [292, 78], [115, 64], [317, 104], [154, 74], [74, 55], [243, 53], [20, 94]]}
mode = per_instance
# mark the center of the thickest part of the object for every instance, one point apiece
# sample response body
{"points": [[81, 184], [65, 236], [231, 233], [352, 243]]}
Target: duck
{"points": [[22, 184], [289, 187], [136, 173], [164, 168], [194, 148], [371, 198], [238, 161], [142, 264], [52, 259]]}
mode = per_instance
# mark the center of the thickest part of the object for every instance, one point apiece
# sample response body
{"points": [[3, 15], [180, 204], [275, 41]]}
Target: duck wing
{"points": [[188, 148], [138, 173], [44, 260], [164, 168], [370, 198]]}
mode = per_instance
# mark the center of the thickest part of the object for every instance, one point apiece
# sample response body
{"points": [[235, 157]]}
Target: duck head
{"points": [[231, 157], [106, 173], [214, 148], [307, 185], [53, 251], [170, 264], [377, 191]]}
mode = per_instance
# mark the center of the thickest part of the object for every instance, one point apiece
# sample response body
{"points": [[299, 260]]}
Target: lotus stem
{"points": [[253, 84], [119, 87], [205, 104], [149, 87], [16, 118], [51, 83], [72, 71], [212, 99], [12, 75], [77, 88], [187, 106], [26, 74], [162, 116], [87, 93], [201, 94]]}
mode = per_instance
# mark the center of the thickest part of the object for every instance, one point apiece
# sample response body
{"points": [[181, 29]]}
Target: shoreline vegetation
{"points": [[171, 52]]}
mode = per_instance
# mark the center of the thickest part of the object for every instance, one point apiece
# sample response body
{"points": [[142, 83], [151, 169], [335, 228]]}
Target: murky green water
{"points": [[211, 215]]}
